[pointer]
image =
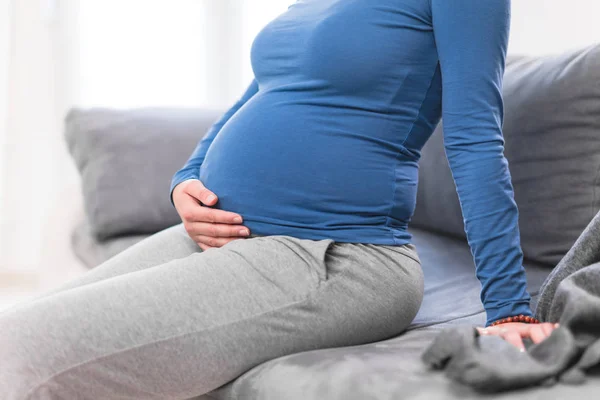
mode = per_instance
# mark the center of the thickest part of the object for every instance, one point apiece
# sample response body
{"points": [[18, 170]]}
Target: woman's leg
{"points": [[167, 245], [190, 325]]}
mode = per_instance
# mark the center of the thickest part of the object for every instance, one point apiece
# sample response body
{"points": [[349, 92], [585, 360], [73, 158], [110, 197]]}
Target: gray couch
{"points": [[552, 134]]}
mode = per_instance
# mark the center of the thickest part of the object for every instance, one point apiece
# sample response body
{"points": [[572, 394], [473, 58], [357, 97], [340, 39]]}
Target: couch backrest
{"points": [[552, 143]]}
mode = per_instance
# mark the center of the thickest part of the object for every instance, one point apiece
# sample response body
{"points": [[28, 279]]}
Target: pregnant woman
{"points": [[295, 209]]}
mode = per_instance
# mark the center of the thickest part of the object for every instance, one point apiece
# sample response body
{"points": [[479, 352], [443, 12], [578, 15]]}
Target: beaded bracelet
{"points": [[519, 318]]}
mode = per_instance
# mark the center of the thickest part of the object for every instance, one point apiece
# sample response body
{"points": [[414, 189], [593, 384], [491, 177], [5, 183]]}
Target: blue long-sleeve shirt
{"points": [[326, 140]]}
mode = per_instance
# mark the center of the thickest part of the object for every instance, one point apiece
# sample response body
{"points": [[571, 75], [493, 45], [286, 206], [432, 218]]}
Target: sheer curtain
{"points": [[140, 53], [553, 26], [5, 28], [30, 146], [256, 14]]}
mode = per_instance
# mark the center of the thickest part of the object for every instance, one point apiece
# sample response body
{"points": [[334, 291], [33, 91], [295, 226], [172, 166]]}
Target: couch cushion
{"points": [[451, 287], [386, 370], [126, 159], [552, 135]]}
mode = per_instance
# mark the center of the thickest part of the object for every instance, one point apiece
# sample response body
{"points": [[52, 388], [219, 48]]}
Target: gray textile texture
{"points": [[164, 319], [551, 125], [585, 252], [571, 296], [126, 159], [93, 252]]}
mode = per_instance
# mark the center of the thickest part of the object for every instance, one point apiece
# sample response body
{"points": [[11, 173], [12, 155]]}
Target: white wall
{"points": [[32, 147], [5, 13], [552, 26], [142, 53], [222, 31], [5, 27], [257, 13]]}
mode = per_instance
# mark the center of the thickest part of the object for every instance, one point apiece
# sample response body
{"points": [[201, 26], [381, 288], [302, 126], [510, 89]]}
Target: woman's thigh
{"points": [[185, 327], [164, 246]]}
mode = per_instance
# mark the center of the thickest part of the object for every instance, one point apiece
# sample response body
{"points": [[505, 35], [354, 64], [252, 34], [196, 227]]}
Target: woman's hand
{"points": [[208, 227], [515, 332]]}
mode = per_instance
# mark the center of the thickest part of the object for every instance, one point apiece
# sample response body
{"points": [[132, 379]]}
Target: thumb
{"points": [[197, 190]]}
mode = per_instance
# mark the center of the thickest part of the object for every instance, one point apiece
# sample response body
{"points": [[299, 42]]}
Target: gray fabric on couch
{"points": [[570, 295], [552, 127]]}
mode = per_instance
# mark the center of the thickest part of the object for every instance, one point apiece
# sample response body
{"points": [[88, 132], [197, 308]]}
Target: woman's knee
{"points": [[20, 362], [39, 342]]}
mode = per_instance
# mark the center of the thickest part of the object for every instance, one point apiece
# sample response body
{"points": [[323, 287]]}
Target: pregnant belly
{"points": [[301, 165]]}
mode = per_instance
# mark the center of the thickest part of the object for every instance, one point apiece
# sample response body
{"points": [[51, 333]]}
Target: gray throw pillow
{"points": [[126, 159], [552, 143]]}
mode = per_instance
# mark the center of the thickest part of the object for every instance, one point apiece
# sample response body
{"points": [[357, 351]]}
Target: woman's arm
{"points": [[191, 169], [471, 38]]}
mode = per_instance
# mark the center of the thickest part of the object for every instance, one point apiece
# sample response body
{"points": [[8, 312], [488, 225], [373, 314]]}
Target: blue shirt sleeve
{"points": [[191, 169], [471, 38]]}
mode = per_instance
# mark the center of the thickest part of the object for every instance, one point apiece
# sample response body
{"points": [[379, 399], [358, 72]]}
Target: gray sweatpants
{"points": [[164, 320]]}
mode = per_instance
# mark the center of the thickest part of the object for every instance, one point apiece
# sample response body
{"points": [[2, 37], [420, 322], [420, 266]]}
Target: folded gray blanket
{"points": [[570, 295]]}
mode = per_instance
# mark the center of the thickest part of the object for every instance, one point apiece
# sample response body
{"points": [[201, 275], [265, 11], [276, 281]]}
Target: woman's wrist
{"points": [[513, 308], [526, 319]]}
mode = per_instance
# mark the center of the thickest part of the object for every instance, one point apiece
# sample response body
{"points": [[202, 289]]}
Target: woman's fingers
{"points": [[500, 329], [515, 332], [212, 241], [212, 215], [513, 337], [216, 230], [208, 227], [539, 332], [203, 246], [190, 211], [196, 189], [536, 333], [547, 327]]}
